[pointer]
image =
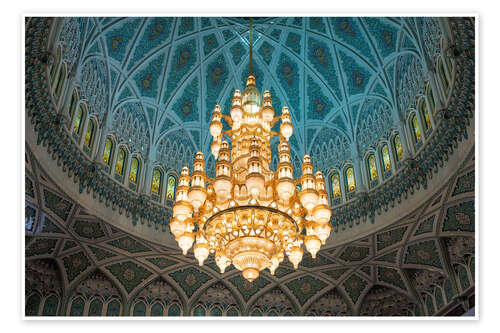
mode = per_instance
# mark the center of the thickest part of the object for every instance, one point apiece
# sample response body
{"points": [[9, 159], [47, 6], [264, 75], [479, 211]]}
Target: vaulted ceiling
{"points": [[415, 266], [343, 78]]}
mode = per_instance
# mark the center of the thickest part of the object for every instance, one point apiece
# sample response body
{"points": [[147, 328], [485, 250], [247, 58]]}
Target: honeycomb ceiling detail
{"points": [[168, 73]]}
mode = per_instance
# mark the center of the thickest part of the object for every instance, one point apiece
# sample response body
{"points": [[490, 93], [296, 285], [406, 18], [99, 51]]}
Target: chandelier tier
{"points": [[249, 215]]}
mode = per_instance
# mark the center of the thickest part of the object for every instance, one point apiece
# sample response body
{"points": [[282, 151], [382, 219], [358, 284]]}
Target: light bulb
{"points": [[295, 256], [201, 252], [313, 244], [186, 241]]}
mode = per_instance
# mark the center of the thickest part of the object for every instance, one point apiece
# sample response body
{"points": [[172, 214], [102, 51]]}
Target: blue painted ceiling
{"points": [[339, 76]]}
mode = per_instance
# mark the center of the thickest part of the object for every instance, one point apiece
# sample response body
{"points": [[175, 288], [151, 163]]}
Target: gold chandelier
{"points": [[249, 215]]}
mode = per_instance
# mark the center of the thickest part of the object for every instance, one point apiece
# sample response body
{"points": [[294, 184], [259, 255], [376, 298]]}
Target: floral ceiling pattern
{"points": [[339, 75]]}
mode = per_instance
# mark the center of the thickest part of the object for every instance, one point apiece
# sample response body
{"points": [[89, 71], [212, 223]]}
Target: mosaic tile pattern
{"points": [[460, 217], [129, 274], [305, 287]]}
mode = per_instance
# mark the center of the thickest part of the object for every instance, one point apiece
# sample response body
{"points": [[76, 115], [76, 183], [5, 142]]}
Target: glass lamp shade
{"points": [[295, 256], [185, 241], [286, 129], [251, 99], [322, 213], [197, 196], [313, 244], [182, 210], [201, 252], [177, 227], [215, 128]]}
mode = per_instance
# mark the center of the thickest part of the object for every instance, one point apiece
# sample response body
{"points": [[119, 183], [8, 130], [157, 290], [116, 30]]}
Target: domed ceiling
{"points": [[157, 79], [339, 77]]}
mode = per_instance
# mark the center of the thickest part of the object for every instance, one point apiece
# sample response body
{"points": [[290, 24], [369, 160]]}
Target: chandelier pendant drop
{"points": [[249, 215]]}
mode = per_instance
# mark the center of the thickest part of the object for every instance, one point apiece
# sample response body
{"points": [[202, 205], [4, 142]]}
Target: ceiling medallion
{"points": [[248, 215]]}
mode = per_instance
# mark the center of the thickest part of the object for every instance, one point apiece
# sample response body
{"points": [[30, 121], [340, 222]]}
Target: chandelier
{"points": [[249, 215]]}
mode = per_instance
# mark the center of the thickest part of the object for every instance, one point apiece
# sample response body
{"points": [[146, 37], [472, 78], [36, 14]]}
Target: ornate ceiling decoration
{"points": [[344, 79], [422, 264]]}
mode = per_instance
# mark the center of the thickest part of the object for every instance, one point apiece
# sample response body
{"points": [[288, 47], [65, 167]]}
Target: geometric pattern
{"points": [[129, 274]]}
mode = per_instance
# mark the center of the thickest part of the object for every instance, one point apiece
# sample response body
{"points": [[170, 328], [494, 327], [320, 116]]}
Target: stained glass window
{"points": [[444, 78], [32, 305], [372, 167], [171, 188], [113, 309], [157, 310], [349, 175], [139, 309], [59, 83], [134, 170], [108, 151], [50, 306], [156, 183], [174, 310], [199, 311], [95, 308], [121, 161], [416, 129], [425, 114], [336, 185], [216, 312], [398, 147], [78, 120], [386, 159], [430, 97], [72, 104], [77, 307], [89, 136]]}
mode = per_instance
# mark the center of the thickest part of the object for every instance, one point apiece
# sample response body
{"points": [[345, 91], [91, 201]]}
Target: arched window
{"points": [[171, 187], [108, 151], [135, 169], [156, 183], [78, 121], [55, 64], [174, 310], [95, 308], [157, 310], [336, 186], [415, 129], [216, 312], [372, 167], [50, 306], [349, 177], [398, 147], [121, 161], [77, 307], [443, 77], [113, 309], [89, 136], [139, 309], [232, 312], [58, 84], [298, 188], [32, 305], [430, 97], [386, 159], [72, 104], [424, 112], [199, 311], [256, 313]]}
